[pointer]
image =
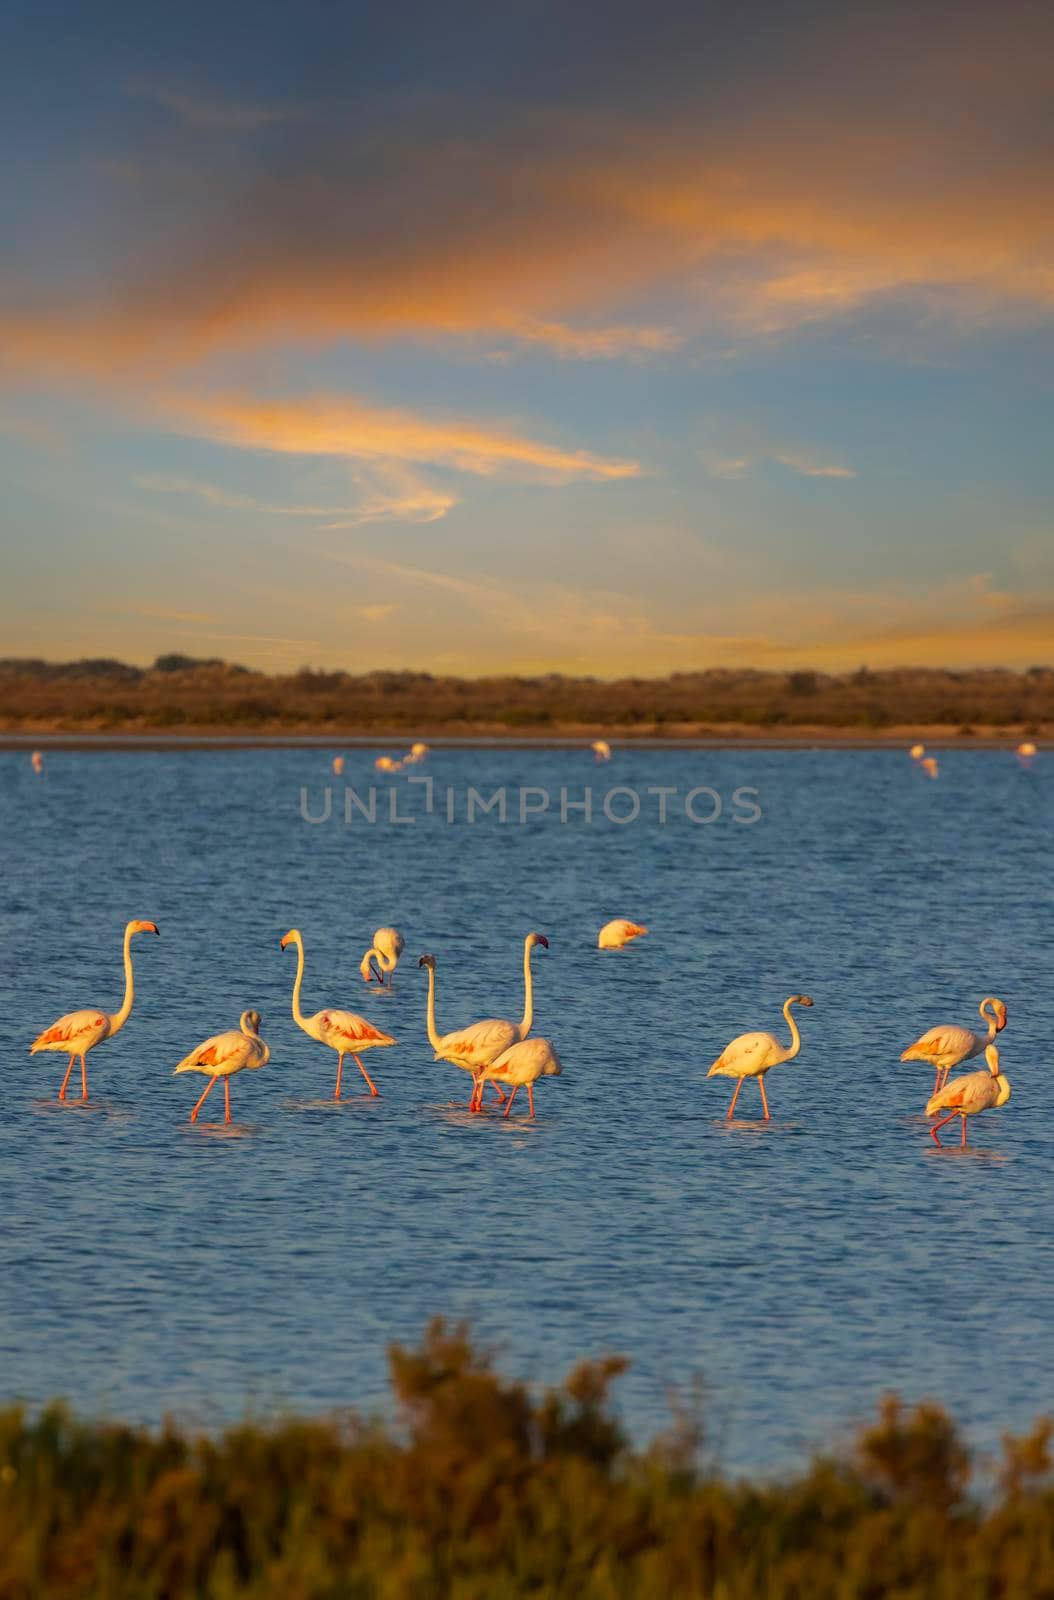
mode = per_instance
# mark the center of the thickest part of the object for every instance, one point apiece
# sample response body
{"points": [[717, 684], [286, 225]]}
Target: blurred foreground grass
{"points": [[488, 1490]]}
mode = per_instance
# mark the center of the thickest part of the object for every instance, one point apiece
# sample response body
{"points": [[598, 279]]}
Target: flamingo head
{"points": [[145, 927], [292, 937], [800, 1000], [427, 961], [1000, 1011], [991, 1055], [537, 938]]}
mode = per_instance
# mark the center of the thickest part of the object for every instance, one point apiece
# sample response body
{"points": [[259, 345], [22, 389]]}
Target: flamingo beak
{"points": [[543, 940]]}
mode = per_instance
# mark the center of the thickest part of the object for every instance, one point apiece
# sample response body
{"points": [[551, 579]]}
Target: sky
{"points": [[599, 338]]}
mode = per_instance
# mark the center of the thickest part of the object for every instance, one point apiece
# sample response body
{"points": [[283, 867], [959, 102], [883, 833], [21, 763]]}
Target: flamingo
{"points": [[225, 1054], [383, 955], [601, 749], [415, 754], [929, 766], [80, 1031], [965, 1097], [614, 935], [521, 1065], [917, 752], [388, 764], [338, 765], [37, 761], [344, 1031], [481, 1043], [947, 1045], [752, 1054]]}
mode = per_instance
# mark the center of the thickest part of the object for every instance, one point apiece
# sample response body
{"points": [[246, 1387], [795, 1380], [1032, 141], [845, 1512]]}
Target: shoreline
{"points": [[686, 737]]}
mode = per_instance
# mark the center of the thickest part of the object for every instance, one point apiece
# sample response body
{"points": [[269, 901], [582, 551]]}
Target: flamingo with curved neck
{"points": [[343, 1031], [751, 1055], [965, 1097], [382, 958], [225, 1054], [947, 1046], [80, 1031], [476, 1046]]}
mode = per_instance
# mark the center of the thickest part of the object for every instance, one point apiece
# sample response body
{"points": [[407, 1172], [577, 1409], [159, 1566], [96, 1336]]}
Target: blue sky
{"points": [[596, 339]]}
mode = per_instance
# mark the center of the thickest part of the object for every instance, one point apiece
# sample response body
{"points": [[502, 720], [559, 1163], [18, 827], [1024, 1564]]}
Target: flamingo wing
{"points": [[972, 1093], [944, 1041], [223, 1050], [479, 1044], [346, 1030], [75, 1026], [744, 1056]]}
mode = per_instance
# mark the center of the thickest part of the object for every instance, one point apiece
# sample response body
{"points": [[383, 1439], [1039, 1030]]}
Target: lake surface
{"points": [[799, 1269]]}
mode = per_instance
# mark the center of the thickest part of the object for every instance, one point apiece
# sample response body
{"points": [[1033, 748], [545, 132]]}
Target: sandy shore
{"points": [[673, 736]]}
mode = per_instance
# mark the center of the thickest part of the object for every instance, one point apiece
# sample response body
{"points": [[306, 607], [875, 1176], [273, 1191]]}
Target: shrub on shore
{"points": [[487, 1490]]}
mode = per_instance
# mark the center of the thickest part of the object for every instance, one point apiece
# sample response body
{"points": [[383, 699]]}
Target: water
{"points": [[798, 1269]]}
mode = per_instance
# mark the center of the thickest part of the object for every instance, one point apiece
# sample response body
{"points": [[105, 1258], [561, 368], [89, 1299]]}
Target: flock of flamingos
{"points": [[499, 1053]]}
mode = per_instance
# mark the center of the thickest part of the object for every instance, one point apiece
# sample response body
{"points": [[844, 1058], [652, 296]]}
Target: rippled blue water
{"points": [[799, 1268]]}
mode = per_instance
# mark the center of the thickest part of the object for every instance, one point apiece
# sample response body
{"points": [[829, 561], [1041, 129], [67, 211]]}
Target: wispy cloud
{"points": [[735, 467], [205, 109], [344, 428], [386, 495]]}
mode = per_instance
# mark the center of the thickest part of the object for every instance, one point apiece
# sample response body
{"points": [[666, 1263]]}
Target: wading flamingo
{"points": [[388, 764], [344, 1031], [965, 1097], [338, 765], [415, 754], [917, 752], [930, 767], [80, 1031], [383, 955], [752, 1054], [37, 761], [225, 1054], [476, 1046], [601, 749], [520, 1066], [947, 1045], [614, 935]]}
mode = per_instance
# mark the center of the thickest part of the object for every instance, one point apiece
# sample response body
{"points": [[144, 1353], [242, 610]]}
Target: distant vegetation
{"points": [[180, 693], [487, 1490]]}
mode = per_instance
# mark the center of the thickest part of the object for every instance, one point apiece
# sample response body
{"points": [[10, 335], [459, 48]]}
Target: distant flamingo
{"points": [[614, 935], [383, 955], [520, 1066], [478, 1045], [37, 761], [929, 766], [225, 1054], [752, 1054], [917, 752], [388, 764], [947, 1045], [80, 1031], [338, 765], [344, 1031], [601, 749], [416, 753], [965, 1097]]}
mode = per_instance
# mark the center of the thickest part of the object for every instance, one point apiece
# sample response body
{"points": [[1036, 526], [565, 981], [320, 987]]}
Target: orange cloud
{"points": [[343, 427]]}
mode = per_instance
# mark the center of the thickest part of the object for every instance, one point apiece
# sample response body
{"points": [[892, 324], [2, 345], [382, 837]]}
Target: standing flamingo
{"points": [[965, 1097], [947, 1045], [614, 935], [80, 1031], [225, 1054], [344, 1031], [383, 955], [479, 1044], [520, 1066], [752, 1054]]}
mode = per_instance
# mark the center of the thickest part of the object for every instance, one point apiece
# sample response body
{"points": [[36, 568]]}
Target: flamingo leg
{"points": [[66, 1079], [84, 1076], [937, 1081], [512, 1097], [373, 1087], [340, 1073], [938, 1125], [530, 1099], [735, 1097], [226, 1099], [964, 1131], [498, 1090], [764, 1101], [208, 1090]]}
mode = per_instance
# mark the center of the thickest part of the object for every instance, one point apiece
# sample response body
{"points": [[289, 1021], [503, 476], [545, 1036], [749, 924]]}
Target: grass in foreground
{"points": [[489, 1491]]}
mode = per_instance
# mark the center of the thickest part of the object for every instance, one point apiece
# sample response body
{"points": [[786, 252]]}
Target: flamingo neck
{"points": [[992, 1019], [119, 1018], [528, 992], [795, 1044], [298, 1015], [433, 1032], [385, 962]]}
